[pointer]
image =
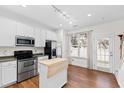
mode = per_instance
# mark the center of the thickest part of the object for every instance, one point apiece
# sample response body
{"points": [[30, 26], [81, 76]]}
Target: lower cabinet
{"points": [[8, 73]]}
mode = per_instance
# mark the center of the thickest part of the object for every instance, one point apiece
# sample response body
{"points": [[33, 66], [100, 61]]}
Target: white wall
{"points": [[62, 39], [120, 76]]}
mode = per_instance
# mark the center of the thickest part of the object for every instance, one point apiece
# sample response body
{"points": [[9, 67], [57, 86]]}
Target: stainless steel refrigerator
{"points": [[50, 49]]}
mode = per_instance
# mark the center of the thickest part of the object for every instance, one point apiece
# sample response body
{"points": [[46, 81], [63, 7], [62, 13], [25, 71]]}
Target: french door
{"points": [[104, 53]]}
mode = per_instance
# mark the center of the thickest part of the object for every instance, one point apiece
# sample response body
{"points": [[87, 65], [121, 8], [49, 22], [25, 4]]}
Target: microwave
{"points": [[24, 41]]}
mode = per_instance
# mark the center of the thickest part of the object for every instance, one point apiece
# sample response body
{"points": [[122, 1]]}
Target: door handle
{"points": [[111, 54]]}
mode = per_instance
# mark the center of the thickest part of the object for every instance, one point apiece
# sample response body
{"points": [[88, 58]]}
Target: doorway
{"points": [[104, 53]]}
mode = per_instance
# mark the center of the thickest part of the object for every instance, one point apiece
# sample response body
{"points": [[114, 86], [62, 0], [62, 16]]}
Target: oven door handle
{"points": [[28, 64], [26, 60]]}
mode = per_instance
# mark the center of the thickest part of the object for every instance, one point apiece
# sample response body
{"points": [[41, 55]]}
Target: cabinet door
{"points": [[9, 73], [20, 29], [43, 38], [54, 35], [0, 76], [29, 31], [24, 30], [39, 38], [50, 35], [7, 32]]}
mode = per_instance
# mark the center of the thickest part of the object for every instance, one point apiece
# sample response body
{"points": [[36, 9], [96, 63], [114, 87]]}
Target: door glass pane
{"points": [[103, 52]]}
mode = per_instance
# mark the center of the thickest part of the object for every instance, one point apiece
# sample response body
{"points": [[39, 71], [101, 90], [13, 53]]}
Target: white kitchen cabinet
{"points": [[24, 30], [0, 76], [7, 32], [51, 35], [43, 38], [39, 37], [41, 59], [9, 72]]}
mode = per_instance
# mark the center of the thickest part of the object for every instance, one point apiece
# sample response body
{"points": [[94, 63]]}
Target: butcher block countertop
{"points": [[53, 61], [55, 65]]}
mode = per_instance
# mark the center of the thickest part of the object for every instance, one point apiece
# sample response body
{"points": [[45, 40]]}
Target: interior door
{"points": [[104, 53]]}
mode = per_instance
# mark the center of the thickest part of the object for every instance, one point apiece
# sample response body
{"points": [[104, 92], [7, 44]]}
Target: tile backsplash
{"points": [[9, 51]]}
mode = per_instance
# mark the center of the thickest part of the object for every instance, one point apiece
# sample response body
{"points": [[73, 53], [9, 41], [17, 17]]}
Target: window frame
{"points": [[78, 45]]}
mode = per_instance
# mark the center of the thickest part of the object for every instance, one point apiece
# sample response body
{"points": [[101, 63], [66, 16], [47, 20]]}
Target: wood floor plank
{"points": [[78, 77]]}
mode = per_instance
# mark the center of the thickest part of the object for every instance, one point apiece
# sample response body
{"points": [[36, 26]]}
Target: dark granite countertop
{"points": [[12, 58], [38, 55], [7, 58]]}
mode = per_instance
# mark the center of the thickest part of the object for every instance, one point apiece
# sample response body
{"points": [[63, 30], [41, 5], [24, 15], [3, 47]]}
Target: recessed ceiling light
{"points": [[75, 25], [60, 25], [23, 5], [70, 22], [64, 13], [89, 15]]}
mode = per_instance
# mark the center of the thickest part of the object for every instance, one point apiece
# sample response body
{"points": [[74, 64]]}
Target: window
{"points": [[79, 43]]}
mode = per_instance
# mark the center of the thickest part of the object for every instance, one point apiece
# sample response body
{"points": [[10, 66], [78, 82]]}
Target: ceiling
{"points": [[46, 14]]}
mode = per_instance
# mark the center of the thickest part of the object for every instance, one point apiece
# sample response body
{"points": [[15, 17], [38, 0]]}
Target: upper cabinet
{"points": [[24, 30], [39, 37], [7, 32], [43, 37], [9, 29], [51, 35]]}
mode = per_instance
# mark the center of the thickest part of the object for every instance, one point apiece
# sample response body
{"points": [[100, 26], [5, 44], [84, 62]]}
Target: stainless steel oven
{"points": [[27, 68], [24, 41], [26, 65]]}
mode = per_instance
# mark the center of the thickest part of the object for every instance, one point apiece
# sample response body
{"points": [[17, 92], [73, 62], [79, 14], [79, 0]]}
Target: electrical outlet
{"points": [[116, 71]]}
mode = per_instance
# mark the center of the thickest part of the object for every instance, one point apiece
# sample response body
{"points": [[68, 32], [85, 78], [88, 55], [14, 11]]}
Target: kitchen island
{"points": [[53, 73]]}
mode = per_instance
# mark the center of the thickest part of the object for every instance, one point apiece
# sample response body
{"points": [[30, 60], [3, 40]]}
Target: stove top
{"points": [[23, 54]]}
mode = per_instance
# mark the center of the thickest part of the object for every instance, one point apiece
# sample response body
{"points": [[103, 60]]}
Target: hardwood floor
{"points": [[85, 78], [78, 78]]}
